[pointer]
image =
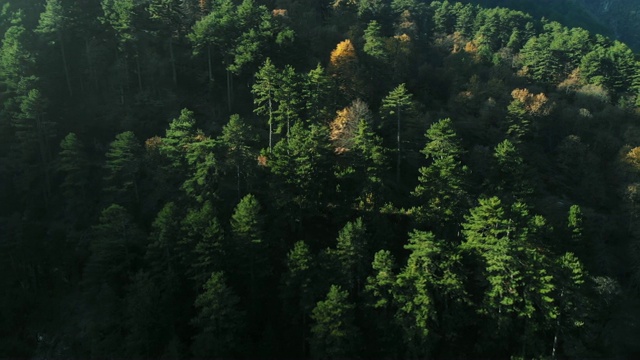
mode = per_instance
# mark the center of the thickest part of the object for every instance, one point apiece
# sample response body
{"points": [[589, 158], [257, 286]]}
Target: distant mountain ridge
{"points": [[618, 19], [621, 16]]}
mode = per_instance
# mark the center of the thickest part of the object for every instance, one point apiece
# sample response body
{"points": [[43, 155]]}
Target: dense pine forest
{"points": [[371, 179]]}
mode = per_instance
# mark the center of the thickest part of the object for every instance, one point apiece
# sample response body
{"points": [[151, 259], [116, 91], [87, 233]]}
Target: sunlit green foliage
{"points": [[269, 218]]}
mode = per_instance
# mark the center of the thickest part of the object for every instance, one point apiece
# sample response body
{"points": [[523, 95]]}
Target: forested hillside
{"points": [[616, 18], [593, 15], [315, 178]]}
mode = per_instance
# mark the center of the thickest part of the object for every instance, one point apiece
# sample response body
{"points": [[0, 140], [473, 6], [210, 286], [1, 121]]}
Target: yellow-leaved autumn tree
{"points": [[345, 126], [343, 67], [524, 112], [535, 104], [343, 55]]}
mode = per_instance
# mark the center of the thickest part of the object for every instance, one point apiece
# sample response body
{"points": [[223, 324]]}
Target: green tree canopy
{"points": [[53, 21], [250, 249], [316, 92], [237, 139], [16, 61], [396, 106], [333, 333], [302, 168], [220, 321], [73, 164], [517, 272], [114, 248], [443, 185], [264, 90], [373, 41], [122, 167], [351, 255]]}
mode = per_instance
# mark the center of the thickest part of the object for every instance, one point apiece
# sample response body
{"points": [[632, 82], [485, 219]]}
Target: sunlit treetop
{"points": [[343, 54]]}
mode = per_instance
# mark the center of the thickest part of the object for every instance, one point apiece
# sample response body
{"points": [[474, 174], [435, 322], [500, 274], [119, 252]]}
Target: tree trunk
{"points": [[64, 64], [209, 62], [229, 90], [556, 336], [174, 76], [270, 123], [122, 76], [92, 72], [398, 137], [524, 339], [304, 331], [238, 180], [44, 159], [135, 189], [138, 71]]}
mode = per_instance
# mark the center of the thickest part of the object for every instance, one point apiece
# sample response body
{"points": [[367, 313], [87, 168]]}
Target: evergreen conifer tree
{"points": [[334, 334], [219, 319], [396, 106], [122, 168]]}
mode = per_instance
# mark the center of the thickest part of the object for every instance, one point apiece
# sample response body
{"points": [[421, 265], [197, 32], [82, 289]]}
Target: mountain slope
{"points": [[615, 18], [621, 16]]}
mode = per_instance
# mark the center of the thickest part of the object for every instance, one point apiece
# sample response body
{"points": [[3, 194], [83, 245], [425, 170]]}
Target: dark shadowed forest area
{"points": [[372, 179]]}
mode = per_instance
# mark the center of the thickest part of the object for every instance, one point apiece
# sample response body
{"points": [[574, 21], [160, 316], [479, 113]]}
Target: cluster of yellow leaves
{"points": [[406, 25], [204, 6], [344, 54], [343, 65], [262, 160], [632, 193], [459, 42], [471, 47], [345, 126], [340, 3], [630, 161], [367, 202], [404, 38], [339, 123], [200, 137], [152, 144], [632, 158], [280, 12], [524, 72], [399, 45], [537, 104], [572, 83], [342, 129]]}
